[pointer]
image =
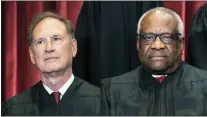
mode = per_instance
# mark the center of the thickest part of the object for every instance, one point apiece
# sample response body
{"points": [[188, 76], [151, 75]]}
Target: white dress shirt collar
{"points": [[157, 76], [63, 89]]}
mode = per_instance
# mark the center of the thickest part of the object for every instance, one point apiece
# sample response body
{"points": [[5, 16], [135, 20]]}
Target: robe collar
{"points": [[147, 80]]}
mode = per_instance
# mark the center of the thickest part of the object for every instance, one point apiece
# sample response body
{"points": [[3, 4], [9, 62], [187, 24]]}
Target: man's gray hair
{"points": [[180, 26], [41, 16]]}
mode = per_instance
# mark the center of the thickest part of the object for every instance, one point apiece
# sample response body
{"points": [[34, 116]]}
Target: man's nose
{"points": [[158, 44], [49, 47]]}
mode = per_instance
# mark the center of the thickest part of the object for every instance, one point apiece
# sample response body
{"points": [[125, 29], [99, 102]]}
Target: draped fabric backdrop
{"points": [[18, 72]]}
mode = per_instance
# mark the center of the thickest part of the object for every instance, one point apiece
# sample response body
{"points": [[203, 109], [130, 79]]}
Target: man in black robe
{"points": [[197, 41], [106, 37], [163, 84], [52, 47]]}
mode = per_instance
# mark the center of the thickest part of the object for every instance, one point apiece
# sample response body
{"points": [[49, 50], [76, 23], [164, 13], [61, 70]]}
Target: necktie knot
{"points": [[56, 96], [160, 79]]}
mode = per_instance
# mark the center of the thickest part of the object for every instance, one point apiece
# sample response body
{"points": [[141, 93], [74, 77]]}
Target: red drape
{"points": [[186, 10], [18, 72]]}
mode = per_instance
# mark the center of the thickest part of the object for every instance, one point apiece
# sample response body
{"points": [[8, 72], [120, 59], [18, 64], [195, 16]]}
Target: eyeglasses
{"points": [[43, 41], [166, 38]]}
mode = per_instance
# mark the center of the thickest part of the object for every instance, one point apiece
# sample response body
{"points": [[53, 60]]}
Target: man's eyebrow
{"points": [[41, 38], [56, 35]]}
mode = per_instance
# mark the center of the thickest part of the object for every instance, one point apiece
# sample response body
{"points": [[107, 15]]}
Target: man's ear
{"points": [[138, 45], [74, 47], [31, 54], [182, 44]]}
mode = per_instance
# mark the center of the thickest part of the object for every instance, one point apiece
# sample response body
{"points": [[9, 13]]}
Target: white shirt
{"points": [[63, 89], [157, 76]]}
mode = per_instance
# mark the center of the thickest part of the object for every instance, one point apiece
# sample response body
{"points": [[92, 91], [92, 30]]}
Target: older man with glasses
{"points": [[163, 84]]}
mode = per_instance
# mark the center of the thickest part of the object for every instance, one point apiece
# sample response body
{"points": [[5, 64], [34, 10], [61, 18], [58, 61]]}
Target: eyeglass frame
{"points": [[176, 36]]}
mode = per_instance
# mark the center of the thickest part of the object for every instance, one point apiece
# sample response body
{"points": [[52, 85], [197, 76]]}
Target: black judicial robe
{"points": [[197, 41], [135, 93], [80, 99], [106, 36]]}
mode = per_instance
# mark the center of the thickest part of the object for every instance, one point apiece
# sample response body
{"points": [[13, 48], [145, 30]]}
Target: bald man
{"points": [[163, 84]]}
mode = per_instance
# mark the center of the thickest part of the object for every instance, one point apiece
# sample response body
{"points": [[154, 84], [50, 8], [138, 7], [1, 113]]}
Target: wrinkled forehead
{"points": [[49, 26], [159, 22], [50, 22]]}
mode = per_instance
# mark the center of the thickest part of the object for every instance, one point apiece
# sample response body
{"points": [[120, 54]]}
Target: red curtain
{"points": [[18, 72], [186, 10]]}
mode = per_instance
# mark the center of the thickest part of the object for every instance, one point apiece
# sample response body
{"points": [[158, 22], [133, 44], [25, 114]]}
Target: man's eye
{"points": [[167, 38], [40, 42], [56, 39], [148, 37]]}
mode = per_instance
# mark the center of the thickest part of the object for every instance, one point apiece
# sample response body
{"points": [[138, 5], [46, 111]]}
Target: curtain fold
{"points": [[11, 57], [18, 72]]}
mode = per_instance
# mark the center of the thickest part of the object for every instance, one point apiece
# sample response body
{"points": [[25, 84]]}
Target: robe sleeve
{"points": [[97, 106], [205, 99], [105, 107], [197, 42], [4, 110], [81, 35]]}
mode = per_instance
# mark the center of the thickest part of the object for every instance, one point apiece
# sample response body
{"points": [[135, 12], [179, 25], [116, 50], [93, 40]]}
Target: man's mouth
{"points": [[158, 57], [51, 58]]}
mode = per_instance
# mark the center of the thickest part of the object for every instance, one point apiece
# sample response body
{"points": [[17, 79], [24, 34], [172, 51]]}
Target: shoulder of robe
{"points": [[87, 89], [193, 75], [21, 98], [130, 77]]}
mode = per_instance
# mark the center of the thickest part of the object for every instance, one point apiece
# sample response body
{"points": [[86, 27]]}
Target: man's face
{"points": [[52, 49], [159, 57]]}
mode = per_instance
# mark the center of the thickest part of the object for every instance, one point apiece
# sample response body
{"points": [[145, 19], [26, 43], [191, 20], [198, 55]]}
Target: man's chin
{"points": [[158, 68], [51, 70]]}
